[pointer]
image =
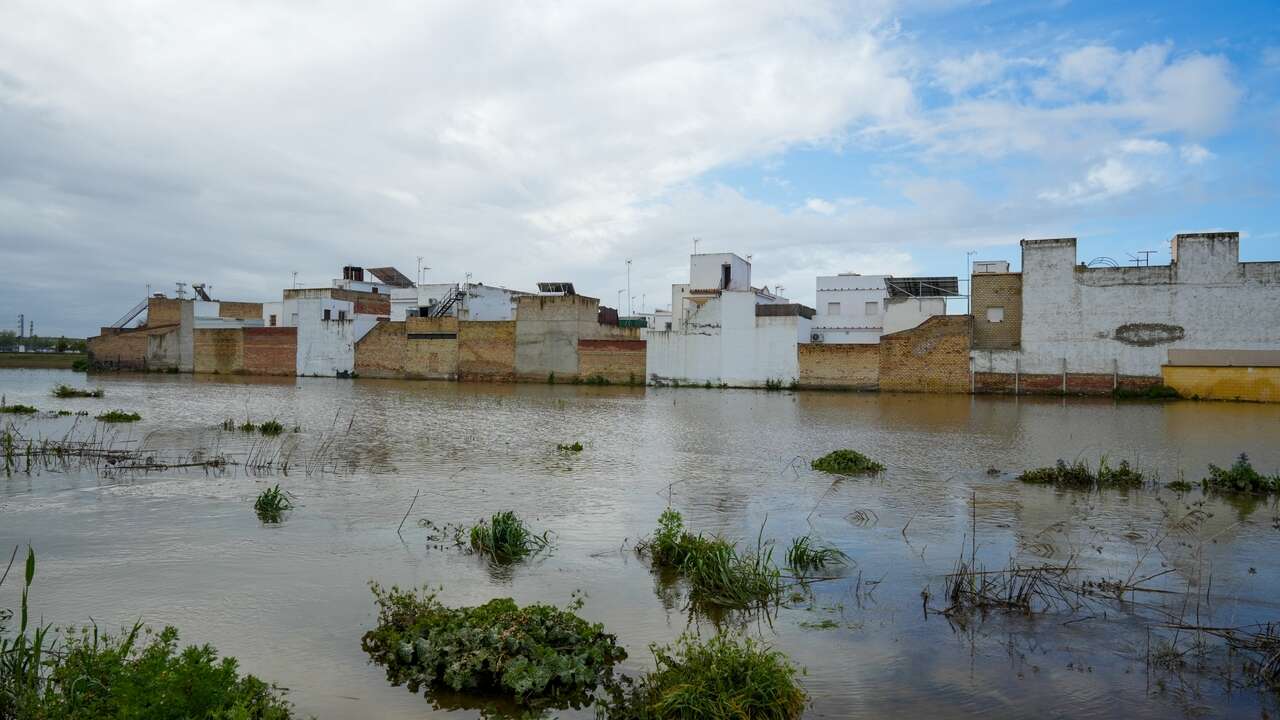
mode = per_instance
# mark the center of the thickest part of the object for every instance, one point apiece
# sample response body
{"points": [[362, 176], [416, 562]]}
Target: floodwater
{"points": [[291, 601]]}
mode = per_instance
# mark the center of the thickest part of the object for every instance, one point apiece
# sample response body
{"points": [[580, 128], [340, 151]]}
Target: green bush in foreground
{"points": [[119, 416], [847, 462], [1240, 478], [538, 655], [136, 674], [724, 678]]}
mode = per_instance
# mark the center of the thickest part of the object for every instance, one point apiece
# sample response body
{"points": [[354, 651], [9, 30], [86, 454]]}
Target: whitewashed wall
{"points": [[852, 324], [325, 347], [704, 271], [906, 313]]}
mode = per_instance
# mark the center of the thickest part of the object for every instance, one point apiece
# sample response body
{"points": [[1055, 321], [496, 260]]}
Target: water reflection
{"points": [[292, 601]]}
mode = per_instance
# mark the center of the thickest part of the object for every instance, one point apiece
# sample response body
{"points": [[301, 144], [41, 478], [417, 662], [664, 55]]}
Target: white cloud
{"points": [[1194, 154], [959, 75], [820, 206]]}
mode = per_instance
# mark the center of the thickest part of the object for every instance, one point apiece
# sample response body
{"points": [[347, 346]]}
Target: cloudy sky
{"points": [[235, 143]]}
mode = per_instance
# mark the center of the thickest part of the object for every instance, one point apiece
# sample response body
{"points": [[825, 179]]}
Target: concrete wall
{"points": [[487, 351], [840, 366], [725, 342], [1257, 384], [163, 351], [996, 290], [618, 361], [705, 271], [270, 350], [276, 309], [219, 351], [933, 357], [905, 313], [548, 328], [1125, 320]]}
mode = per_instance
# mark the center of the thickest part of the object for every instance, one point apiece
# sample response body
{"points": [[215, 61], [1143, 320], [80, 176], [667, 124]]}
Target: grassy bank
{"points": [[62, 361]]}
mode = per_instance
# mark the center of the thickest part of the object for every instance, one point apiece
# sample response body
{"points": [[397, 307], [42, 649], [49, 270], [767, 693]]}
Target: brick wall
{"points": [[1259, 384], [270, 350], [431, 348], [163, 311], [366, 303], [992, 290], [845, 367], [1051, 384], [219, 351], [124, 349], [380, 353], [618, 361], [487, 350], [933, 357], [240, 310]]}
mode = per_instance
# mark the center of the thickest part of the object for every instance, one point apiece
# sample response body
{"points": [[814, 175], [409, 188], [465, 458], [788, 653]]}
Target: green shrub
{"points": [[119, 416], [80, 365], [1240, 478], [724, 678], [805, 554], [271, 428], [272, 504], [66, 391], [538, 655], [1080, 476], [719, 576], [247, 426], [847, 462], [573, 447], [137, 674], [1180, 486], [18, 409], [505, 538]]}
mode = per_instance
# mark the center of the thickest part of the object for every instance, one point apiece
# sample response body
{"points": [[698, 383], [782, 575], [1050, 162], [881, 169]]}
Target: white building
{"points": [[724, 331], [470, 301], [855, 308]]}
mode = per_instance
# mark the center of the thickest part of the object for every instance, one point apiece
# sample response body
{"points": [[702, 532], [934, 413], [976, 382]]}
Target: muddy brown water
{"points": [[291, 601]]}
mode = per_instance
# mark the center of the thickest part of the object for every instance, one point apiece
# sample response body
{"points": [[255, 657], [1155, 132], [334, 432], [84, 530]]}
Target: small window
{"points": [[726, 276], [294, 319], [833, 308], [326, 314], [995, 314], [273, 321], [342, 315], [873, 308]]}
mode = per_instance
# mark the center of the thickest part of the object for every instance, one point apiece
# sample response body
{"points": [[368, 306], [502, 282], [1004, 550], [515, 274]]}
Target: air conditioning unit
{"points": [[816, 337]]}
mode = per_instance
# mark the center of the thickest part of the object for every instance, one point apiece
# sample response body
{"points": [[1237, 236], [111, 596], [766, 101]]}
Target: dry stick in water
{"points": [[406, 512]]}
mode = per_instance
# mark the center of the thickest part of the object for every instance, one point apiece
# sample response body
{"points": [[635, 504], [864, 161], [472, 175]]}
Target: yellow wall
{"points": [[1259, 384]]}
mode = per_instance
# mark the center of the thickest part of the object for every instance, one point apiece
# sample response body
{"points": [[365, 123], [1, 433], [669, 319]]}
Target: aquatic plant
{"points": [[247, 426], [538, 655], [271, 428], [228, 424], [271, 505], [719, 575], [847, 462], [1180, 486], [575, 446], [505, 538], [136, 674], [119, 416], [805, 554], [1240, 478], [726, 677], [66, 391], [18, 409], [1080, 476], [773, 384]]}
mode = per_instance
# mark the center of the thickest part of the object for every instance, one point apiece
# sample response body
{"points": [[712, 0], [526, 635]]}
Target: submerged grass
{"points": [[1080, 476], [806, 555], [271, 428], [726, 677], [847, 462], [718, 573], [505, 538], [1240, 478], [272, 504], [18, 409], [66, 391], [538, 655], [119, 416], [575, 446], [136, 674]]}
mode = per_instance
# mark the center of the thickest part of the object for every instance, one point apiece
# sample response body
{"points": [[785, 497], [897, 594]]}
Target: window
{"points": [[726, 273], [326, 314], [995, 314], [294, 319], [342, 315], [833, 308], [873, 308], [273, 321]]}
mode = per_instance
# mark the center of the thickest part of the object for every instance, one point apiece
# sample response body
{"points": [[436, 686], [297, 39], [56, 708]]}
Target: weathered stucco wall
{"points": [[270, 350], [933, 357], [487, 350], [325, 347], [219, 351], [839, 367], [1257, 384], [125, 349], [618, 361], [163, 352], [548, 328], [1125, 320], [1002, 291]]}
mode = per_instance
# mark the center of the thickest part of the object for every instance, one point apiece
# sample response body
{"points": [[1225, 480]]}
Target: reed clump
{"points": [[271, 428], [718, 573], [1080, 476], [574, 446], [538, 655], [66, 391], [272, 504], [18, 409], [119, 416], [505, 538], [807, 554], [847, 462], [726, 677], [1241, 477]]}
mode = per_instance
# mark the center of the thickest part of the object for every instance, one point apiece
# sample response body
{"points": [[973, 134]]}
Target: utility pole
{"points": [[629, 297], [695, 244], [620, 296], [968, 295], [419, 269], [295, 279], [22, 325]]}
